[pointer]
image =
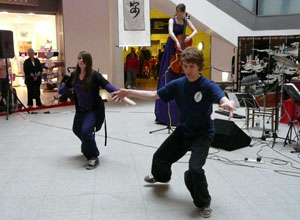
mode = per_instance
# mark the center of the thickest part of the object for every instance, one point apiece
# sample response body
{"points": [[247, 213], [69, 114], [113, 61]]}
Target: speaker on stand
{"points": [[7, 51], [6, 44]]}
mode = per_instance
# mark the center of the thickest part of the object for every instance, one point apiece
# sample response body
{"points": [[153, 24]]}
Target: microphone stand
{"points": [[169, 108], [263, 136], [280, 108]]}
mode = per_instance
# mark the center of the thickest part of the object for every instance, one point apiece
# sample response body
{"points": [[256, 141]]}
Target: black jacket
{"points": [[29, 68], [98, 82]]}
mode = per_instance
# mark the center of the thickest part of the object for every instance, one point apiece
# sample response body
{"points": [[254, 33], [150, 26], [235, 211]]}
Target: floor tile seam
{"points": [[240, 195], [139, 186], [282, 189], [94, 190], [94, 195], [23, 161], [52, 179]]}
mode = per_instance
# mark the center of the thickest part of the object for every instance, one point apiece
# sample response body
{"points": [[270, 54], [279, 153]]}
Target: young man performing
{"points": [[194, 96]]}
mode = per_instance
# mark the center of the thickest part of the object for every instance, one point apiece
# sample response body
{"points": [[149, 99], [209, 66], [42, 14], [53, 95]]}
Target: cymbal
{"points": [[250, 80], [285, 61]]}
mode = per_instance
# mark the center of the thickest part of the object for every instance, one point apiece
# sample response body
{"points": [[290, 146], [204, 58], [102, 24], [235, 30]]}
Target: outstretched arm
{"points": [[141, 94], [111, 89], [227, 104]]}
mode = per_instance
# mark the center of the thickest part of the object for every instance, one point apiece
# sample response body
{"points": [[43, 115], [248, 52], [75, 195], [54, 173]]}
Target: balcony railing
{"points": [[271, 7]]}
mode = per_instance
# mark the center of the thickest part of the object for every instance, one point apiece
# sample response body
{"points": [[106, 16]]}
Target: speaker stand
{"points": [[10, 93]]}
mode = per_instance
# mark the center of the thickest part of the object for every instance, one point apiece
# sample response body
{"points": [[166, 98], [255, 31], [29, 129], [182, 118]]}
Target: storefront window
{"points": [[29, 31]]}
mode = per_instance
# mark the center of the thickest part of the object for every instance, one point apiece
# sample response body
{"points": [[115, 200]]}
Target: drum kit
{"points": [[284, 66]]}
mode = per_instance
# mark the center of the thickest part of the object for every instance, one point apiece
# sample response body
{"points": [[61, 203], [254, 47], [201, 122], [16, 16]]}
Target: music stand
{"points": [[246, 100], [249, 101], [294, 93]]}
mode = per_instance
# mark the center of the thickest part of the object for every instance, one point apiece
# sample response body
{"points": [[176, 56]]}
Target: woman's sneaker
{"points": [[92, 163], [149, 179], [205, 211]]}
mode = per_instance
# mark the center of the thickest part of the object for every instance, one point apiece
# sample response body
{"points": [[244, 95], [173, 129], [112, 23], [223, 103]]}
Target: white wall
{"points": [[117, 52], [90, 26], [221, 55]]}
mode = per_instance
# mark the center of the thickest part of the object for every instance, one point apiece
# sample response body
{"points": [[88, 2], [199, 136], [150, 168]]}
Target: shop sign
{"points": [[159, 25], [21, 2]]}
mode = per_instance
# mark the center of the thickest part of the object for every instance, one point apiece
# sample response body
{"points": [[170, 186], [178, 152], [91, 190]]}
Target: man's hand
{"points": [[120, 94], [228, 105]]}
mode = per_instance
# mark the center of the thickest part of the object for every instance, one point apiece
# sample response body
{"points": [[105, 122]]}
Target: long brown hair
{"points": [[180, 7], [87, 80]]}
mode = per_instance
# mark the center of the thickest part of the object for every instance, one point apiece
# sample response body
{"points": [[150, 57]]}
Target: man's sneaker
{"points": [[149, 179], [92, 163], [206, 211]]}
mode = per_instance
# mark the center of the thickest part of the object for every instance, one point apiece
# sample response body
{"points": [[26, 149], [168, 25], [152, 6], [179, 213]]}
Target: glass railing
{"points": [[248, 4], [271, 7], [278, 7]]}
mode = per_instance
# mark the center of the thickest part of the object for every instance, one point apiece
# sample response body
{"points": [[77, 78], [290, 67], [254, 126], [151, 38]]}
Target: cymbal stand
{"points": [[281, 107]]}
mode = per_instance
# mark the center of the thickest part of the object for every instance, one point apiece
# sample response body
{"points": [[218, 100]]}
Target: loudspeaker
{"points": [[6, 44], [229, 136]]}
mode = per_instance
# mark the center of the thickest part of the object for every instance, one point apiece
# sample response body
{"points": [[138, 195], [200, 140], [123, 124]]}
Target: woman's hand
{"points": [[178, 45], [128, 101], [187, 39]]}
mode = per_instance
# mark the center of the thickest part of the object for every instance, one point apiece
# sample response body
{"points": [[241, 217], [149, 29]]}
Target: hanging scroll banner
{"points": [[134, 22]]}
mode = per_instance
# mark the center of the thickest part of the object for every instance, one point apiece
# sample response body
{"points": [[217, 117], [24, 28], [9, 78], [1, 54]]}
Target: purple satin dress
{"points": [[161, 108]]}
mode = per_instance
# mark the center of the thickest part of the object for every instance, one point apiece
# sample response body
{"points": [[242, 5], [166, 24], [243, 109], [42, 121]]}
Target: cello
{"points": [[175, 60]]}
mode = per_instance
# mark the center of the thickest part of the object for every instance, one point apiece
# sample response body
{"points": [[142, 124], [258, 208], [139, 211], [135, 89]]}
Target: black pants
{"points": [[175, 147], [33, 92]]}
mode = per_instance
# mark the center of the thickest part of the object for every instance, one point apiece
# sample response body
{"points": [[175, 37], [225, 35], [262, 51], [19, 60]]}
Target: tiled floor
{"points": [[42, 173]]}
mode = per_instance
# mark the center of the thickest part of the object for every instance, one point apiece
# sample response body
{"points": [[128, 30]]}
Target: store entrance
{"points": [[39, 32], [140, 68]]}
